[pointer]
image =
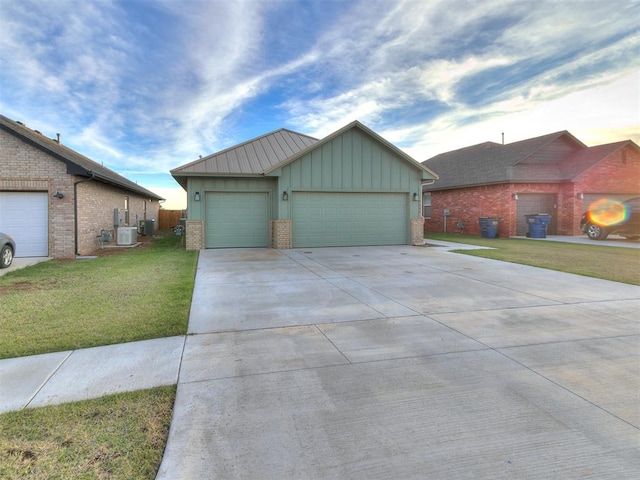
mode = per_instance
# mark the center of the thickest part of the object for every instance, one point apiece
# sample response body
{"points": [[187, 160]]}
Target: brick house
{"points": [[555, 174], [55, 202]]}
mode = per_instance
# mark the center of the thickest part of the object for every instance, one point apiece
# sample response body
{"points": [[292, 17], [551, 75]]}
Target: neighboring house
{"points": [[55, 202], [555, 174], [289, 190]]}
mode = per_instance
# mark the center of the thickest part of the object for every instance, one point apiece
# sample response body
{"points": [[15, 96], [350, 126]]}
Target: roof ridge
{"points": [[67, 154], [240, 145]]}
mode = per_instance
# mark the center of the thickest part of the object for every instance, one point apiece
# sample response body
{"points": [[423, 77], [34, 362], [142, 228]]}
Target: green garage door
{"points": [[237, 219], [349, 219]]}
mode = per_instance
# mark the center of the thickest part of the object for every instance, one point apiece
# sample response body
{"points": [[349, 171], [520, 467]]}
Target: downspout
{"points": [[75, 209]]}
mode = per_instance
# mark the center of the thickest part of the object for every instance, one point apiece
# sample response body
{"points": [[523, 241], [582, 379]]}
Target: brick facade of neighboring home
{"points": [[31, 163], [510, 181]]}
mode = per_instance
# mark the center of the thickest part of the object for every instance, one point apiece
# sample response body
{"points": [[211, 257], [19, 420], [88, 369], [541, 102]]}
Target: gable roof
{"points": [[584, 159], [266, 154], [532, 160], [76, 163], [367, 131], [252, 157]]}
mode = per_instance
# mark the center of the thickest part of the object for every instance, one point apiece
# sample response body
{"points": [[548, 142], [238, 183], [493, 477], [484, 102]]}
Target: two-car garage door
{"points": [[25, 216], [319, 219], [322, 219]]}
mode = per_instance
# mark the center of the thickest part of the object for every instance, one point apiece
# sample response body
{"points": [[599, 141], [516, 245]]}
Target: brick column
{"points": [[281, 234], [417, 232], [194, 234]]}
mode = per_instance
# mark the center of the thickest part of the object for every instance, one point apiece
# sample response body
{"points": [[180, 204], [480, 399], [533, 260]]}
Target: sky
{"points": [[145, 86]]}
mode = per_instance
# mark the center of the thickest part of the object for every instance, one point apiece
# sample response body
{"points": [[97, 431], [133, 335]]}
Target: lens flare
{"points": [[607, 212]]}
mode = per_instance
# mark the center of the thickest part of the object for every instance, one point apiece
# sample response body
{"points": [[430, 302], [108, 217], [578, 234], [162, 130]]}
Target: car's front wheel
{"points": [[6, 256], [596, 232]]}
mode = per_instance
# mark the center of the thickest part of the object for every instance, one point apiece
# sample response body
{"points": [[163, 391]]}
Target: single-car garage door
{"points": [[323, 219], [25, 216], [532, 203], [237, 219]]}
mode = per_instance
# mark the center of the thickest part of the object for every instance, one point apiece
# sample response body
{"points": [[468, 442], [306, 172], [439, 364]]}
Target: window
{"points": [[426, 205], [126, 210]]}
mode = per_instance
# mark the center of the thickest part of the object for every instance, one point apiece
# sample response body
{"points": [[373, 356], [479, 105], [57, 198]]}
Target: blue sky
{"points": [[145, 86]]}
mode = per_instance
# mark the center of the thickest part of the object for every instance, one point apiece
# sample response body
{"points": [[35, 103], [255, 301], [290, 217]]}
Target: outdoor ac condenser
{"points": [[127, 235]]}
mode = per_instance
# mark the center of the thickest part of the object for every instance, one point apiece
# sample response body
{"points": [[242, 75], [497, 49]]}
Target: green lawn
{"points": [[125, 295], [134, 294], [608, 263], [116, 437]]}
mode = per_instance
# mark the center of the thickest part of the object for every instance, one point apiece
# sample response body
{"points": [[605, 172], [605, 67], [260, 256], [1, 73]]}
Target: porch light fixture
{"points": [[416, 197], [580, 196], [515, 196], [58, 194], [285, 196], [196, 197]]}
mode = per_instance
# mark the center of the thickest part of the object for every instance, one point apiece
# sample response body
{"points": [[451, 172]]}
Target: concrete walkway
{"points": [[378, 362]]}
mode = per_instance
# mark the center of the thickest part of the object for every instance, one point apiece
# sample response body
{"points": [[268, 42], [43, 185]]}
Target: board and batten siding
{"points": [[351, 162]]}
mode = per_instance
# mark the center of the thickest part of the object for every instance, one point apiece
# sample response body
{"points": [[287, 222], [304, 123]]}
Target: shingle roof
{"points": [[252, 157], [586, 158], [77, 164], [535, 160]]}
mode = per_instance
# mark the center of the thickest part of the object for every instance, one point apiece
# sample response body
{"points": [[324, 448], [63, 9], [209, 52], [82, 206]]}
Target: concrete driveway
{"points": [[404, 362]]}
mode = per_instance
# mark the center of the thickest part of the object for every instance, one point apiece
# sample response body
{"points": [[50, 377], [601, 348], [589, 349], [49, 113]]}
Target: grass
{"points": [[608, 263], [120, 436], [135, 294], [122, 296]]}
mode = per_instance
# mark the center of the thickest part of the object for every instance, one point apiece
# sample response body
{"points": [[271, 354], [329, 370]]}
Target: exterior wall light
{"points": [[580, 196], [196, 197], [285, 196], [416, 197], [515, 196], [58, 194]]}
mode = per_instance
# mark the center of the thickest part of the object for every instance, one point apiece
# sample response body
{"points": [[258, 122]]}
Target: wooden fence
{"points": [[167, 219]]}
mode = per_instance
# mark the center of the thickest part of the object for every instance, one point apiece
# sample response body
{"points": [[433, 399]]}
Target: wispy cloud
{"points": [[148, 85]]}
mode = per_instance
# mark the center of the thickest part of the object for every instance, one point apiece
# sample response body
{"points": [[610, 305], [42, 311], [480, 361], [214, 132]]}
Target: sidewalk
{"points": [[71, 376]]}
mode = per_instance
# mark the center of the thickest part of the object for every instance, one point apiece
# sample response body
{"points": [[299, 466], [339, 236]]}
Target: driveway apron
{"points": [[404, 362]]}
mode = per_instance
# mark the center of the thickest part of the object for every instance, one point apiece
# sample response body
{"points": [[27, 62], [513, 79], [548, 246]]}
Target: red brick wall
{"points": [[467, 205], [617, 174], [611, 175]]}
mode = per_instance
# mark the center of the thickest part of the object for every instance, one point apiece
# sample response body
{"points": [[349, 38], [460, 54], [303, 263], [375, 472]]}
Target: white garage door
{"points": [[25, 216], [349, 219]]}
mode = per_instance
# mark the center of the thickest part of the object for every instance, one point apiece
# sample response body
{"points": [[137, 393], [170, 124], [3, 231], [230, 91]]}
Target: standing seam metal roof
{"points": [[252, 157]]}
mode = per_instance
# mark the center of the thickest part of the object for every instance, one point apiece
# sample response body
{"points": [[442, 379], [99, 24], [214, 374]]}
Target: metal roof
{"points": [[77, 164], [365, 129], [252, 157], [265, 154]]}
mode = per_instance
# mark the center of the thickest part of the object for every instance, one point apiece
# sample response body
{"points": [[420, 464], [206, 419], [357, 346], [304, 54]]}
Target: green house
{"points": [[288, 190]]}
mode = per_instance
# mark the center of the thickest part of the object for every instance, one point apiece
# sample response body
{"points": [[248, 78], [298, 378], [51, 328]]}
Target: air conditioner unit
{"points": [[127, 235]]}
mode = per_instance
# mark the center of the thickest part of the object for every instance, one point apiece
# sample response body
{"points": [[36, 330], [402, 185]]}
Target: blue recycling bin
{"points": [[488, 227], [537, 225]]}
